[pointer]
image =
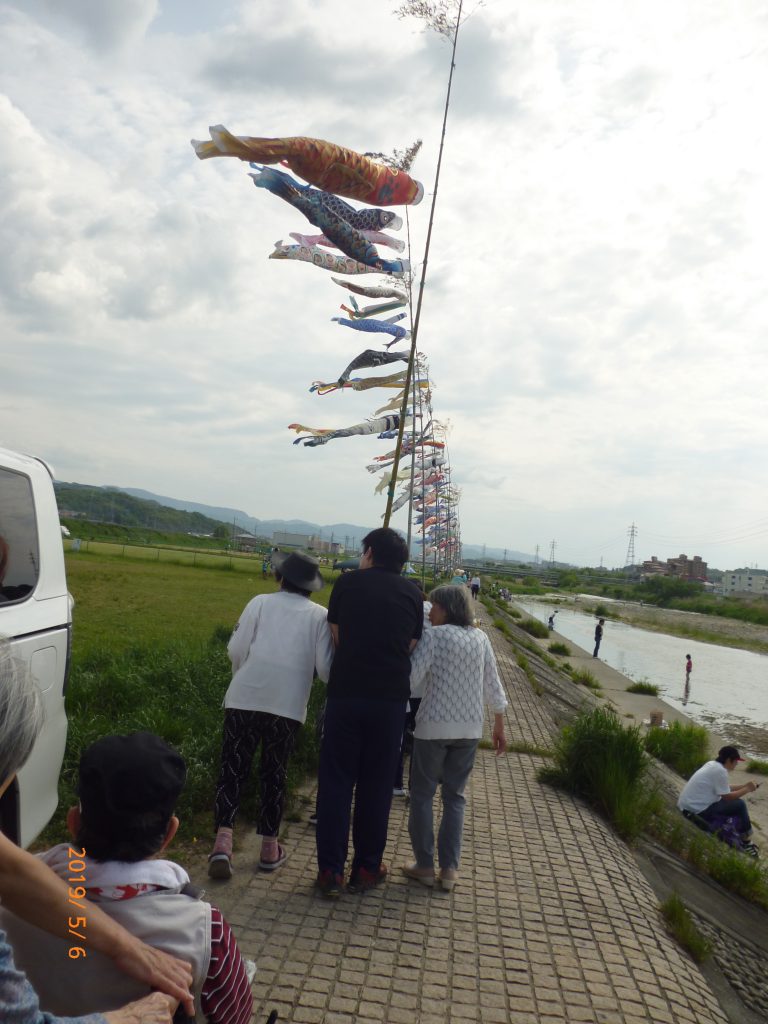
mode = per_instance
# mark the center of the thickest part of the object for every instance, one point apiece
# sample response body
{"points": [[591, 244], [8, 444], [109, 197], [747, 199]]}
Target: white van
{"points": [[36, 616]]}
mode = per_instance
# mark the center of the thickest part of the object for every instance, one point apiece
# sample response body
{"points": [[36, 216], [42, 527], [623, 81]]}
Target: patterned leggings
{"points": [[243, 732]]}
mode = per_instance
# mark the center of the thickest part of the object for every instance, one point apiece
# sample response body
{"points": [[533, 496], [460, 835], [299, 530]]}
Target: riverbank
{"points": [[713, 629], [636, 709]]}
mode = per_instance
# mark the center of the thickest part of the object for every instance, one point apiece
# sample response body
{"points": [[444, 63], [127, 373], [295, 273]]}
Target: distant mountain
{"points": [[482, 551], [104, 503], [111, 505], [346, 533]]}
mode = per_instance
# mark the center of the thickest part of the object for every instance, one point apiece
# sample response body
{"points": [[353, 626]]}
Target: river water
{"points": [[729, 687]]}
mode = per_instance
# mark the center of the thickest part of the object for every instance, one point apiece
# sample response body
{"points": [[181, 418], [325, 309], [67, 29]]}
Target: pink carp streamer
{"points": [[330, 167]]}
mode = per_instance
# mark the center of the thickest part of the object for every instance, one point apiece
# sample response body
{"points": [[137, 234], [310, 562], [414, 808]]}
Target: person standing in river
{"points": [[688, 670], [598, 636]]}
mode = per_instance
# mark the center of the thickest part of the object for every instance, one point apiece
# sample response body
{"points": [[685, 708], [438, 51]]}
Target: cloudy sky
{"points": [[596, 310]]}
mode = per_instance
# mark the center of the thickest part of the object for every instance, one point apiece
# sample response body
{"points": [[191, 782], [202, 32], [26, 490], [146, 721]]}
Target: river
{"points": [[729, 687]]}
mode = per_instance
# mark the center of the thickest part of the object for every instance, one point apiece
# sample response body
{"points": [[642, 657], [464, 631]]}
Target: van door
{"points": [[35, 617]]}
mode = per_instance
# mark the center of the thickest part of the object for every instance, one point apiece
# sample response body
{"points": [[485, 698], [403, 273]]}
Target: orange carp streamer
{"points": [[324, 164]]}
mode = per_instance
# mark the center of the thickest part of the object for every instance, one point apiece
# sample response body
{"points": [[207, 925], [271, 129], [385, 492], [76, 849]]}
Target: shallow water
{"points": [[729, 687]]}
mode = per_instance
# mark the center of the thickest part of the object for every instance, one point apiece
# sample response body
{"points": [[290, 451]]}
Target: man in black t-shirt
{"points": [[376, 617]]}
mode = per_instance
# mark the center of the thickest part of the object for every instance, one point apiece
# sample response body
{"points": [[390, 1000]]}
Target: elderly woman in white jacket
{"points": [[453, 670]]}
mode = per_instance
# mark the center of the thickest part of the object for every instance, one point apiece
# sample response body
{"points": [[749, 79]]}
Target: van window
{"points": [[19, 552]]}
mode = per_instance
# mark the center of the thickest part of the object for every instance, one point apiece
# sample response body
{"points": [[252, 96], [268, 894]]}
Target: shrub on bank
{"points": [[559, 648], [535, 628], [586, 678], [644, 687], [683, 747], [757, 767], [599, 759], [684, 929]]}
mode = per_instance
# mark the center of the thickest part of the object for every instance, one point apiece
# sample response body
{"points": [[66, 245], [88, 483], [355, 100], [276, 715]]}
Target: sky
{"points": [[595, 313]]}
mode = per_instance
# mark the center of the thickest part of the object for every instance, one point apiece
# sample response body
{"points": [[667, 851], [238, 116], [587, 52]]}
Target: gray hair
{"points": [[21, 712], [455, 603]]}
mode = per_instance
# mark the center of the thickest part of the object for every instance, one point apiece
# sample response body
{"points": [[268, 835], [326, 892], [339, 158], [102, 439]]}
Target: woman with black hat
{"points": [[278, 645]]}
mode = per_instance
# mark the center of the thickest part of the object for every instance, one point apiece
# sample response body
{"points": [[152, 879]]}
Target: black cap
{"points": [[299, 569], [728, 754], [128, 777]]}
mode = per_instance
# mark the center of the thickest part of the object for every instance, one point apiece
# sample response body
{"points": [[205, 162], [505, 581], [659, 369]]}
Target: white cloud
{"points": [[595, 312]]}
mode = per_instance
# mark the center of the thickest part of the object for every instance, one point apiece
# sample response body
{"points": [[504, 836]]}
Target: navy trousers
{"points": [[359, 753]]}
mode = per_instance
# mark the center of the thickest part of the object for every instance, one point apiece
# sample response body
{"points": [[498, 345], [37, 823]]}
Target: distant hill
{"points": [[132, 506], [348, 534], [110, 505]]}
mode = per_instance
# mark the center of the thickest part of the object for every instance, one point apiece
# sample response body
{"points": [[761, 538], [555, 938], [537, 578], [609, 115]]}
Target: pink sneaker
{"points": [[220, 858]]}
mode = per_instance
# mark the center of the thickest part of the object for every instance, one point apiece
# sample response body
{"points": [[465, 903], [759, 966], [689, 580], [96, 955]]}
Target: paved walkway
{"points": [[551, 921]]}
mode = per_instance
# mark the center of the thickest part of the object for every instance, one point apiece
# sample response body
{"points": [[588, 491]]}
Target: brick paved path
{"points": [[551, 921]]}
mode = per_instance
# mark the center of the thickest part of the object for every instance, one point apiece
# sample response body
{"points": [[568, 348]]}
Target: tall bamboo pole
{"points": [[415, 331]]}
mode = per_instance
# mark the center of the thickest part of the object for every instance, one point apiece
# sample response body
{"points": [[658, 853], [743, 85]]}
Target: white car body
{"points": [[36, 616]]}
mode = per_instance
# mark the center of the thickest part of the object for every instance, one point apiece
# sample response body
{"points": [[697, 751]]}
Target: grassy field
{"points": [[149, 652]]}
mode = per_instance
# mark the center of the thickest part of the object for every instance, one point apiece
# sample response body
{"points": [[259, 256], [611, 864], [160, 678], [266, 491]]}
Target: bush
{"points": [[585, 678], [758, 767], [604, 762], [535, 628], [559, 648], [684, 929], [683, 747], [644, 687]]}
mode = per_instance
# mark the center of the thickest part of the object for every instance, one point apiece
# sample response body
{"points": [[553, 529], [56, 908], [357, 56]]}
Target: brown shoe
{"points": [[362, 879]]}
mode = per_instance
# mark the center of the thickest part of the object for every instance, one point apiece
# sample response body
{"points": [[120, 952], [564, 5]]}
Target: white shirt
{"points": [[278, 645], [453, 670], [704, 788]]}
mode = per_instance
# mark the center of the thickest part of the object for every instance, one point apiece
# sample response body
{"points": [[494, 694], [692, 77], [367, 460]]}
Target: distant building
{"points": [[744, 582], [306, 542], [682, 567], [280, 539]]}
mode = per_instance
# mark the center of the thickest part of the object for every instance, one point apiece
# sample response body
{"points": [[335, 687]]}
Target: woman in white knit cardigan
{"points": [[453, 670]]}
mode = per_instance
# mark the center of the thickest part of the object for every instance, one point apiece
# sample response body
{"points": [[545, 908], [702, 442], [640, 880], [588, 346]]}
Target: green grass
{"points": [[644, 687], [734, 870], [757, 767], [684, 929], [599, 759], [684, 747], [585, 678], [535, 628], [559, 648]]}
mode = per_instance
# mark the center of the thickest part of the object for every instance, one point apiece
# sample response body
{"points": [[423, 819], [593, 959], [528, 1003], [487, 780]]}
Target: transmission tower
{"points": [[632, 532], [537, 554], [552, 547]]}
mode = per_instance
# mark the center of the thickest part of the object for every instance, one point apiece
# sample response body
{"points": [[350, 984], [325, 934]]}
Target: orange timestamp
{"points": [[75, 875]]}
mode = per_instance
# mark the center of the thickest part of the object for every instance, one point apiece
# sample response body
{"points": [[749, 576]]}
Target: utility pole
{"points": [[632, 533], [536, 556], [505, 556]]}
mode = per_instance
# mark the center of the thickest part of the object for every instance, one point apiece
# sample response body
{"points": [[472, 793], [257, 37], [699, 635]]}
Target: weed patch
{"points": [[758, 767], [731, 868], [560, 648], [683, 747], [585, 678], [535, 628], [599, 759], [644, 687], [684, 929]]}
